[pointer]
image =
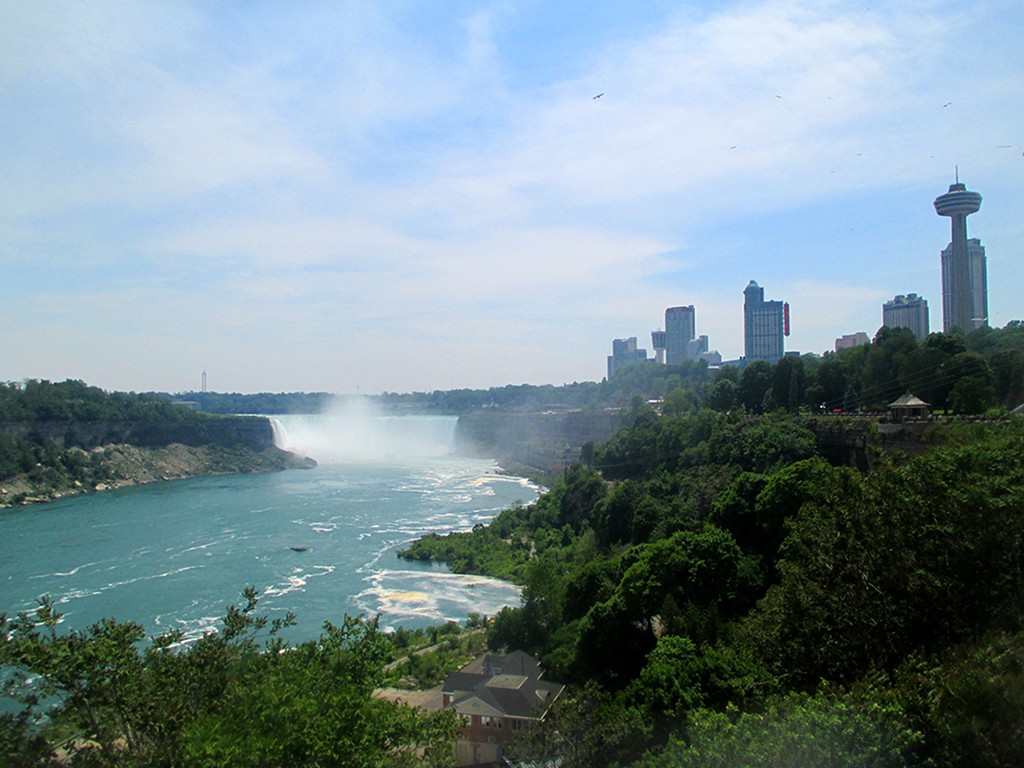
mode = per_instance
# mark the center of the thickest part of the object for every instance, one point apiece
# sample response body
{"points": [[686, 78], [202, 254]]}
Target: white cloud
{"points": [[364, 187]]}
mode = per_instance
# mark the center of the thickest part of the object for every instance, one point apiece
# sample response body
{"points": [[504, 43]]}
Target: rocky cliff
{"points": [[544, 441], [95, 456]]}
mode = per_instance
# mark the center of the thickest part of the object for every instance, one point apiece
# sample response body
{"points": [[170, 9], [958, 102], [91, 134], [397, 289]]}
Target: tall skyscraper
{"points": [[765, 325], [680, 324], [978, 284], [964, 278], [910, 311]]}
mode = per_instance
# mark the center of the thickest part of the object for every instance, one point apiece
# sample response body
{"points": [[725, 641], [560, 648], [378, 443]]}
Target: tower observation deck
{"points": [[958, 282]]}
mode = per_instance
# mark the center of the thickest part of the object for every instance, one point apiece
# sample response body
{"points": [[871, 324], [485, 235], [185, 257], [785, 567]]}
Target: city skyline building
{"points": [[765, 325], [624, 352], [909, 311], [964, 271], [680, 329], [850, 340]]}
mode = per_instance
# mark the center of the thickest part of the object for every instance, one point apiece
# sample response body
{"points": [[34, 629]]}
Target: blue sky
{"points": [[403, 196]]}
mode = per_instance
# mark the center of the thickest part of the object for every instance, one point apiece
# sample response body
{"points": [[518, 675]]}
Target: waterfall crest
{"points": [[359, 433]]}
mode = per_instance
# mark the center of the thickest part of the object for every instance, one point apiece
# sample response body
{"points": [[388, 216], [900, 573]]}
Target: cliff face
{"points": [[101, 455], [252, 432], [544, 441]]}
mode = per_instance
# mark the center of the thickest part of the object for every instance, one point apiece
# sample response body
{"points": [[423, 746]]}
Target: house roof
{"points": [[495, 685]]}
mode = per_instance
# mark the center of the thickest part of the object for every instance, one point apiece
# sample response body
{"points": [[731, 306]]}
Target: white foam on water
{"points": [[433, 595]]}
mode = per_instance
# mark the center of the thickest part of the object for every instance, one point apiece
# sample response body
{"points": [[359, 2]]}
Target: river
{"points": [[320, 542]]}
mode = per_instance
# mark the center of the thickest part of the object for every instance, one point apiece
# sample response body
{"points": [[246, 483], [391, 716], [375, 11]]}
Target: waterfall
{"points": [[280, 434], [358, 433]]}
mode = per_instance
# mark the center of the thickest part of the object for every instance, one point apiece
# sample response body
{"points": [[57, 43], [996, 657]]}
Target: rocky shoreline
{"points": [[121, 465]]}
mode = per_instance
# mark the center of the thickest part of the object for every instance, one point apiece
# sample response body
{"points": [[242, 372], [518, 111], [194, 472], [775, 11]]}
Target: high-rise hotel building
{"points": [[765, 325], [910, 311], [680, 328], [976, 314]]}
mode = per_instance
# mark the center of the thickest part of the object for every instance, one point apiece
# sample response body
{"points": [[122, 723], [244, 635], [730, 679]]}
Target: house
{"points": [[496, 696]]}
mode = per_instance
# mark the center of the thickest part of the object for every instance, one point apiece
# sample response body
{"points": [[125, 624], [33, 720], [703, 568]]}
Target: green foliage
{"points": [[909, 558], [239, 697], [586, 727], [21, 745], [758, 445], [971, 702], [264, 403], [755, 385], [679, 677], [986, 367], [70, 400], [719, 570], [821, 731], [37, 445]]}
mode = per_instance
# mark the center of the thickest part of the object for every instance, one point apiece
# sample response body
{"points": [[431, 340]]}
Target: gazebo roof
{"points": [[909, 400]]}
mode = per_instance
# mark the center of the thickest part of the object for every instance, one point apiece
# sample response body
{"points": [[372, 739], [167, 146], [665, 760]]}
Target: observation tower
{"points": [[961, 284]]}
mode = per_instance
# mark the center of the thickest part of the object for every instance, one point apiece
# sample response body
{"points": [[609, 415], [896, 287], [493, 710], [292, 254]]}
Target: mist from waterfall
{"points": [[358, 432]]}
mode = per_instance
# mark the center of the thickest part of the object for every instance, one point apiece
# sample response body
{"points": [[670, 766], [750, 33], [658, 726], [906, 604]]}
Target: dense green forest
{"points": [[263, 403], [718, 594], [41, 400]]}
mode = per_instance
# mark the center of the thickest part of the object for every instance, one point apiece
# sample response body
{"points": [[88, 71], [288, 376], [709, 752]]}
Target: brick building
{"points": [[496, 696]]}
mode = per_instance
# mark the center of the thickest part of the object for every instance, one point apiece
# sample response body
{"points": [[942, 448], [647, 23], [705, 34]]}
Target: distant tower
{"points": [[680, 325], [964, 279], [204, 381], [658, 342], [765, 325], [910, 311]]}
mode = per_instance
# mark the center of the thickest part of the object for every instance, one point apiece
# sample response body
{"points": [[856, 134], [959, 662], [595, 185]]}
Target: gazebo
{"points": [[909, 406]]}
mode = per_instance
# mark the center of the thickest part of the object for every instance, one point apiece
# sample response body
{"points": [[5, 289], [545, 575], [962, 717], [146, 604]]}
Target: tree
{"points": [[722, 396], [586, 727], [755, 381], [879, 384], [910, 558], [231, 698], [969, 702], [679, 402], [680, 677], [974, 390], [823, 731], [788, 382], [613, 515]]}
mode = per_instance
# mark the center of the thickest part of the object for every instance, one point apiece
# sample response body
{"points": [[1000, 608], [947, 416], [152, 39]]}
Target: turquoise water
{"points": [[175, 555]]}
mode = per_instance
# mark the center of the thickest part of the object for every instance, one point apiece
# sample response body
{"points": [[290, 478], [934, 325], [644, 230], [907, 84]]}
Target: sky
{"points": [[435, 194]]}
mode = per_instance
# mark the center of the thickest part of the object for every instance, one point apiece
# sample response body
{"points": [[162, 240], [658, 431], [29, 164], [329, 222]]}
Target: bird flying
{"points": [[599, 95]]}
